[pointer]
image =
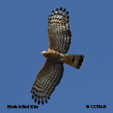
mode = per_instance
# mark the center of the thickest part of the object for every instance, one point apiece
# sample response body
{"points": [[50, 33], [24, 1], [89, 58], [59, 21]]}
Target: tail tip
{"points": [[80, 62]]}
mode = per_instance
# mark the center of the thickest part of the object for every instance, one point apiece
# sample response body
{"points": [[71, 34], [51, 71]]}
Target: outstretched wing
{"points": [[59, 30], [46, 81]]}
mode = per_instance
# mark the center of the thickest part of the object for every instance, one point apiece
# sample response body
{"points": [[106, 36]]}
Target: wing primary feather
{"points": [[67, 12], [52, 11], [64, 10], [42, 101], [32, 96], [45, 99], [35, 100], [48, 97], [61, 8], [38, 100], [56, 9]]}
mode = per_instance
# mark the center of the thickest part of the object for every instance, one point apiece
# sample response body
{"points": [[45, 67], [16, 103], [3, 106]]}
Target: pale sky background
{"points": [[23, 35]]}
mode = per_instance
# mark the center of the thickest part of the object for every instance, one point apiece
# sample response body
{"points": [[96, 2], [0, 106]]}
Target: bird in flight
{"points": [[59, 42]]}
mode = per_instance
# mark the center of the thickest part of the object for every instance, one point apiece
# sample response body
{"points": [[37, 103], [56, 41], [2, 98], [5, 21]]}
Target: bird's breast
{"points": [[55, 56]]}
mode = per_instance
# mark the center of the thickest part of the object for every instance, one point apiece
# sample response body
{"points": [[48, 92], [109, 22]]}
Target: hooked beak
{"points": [[43, 52]]}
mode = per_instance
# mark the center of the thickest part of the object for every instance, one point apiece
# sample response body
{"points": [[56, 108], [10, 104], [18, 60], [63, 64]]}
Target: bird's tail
{"points": [[74, 60]]}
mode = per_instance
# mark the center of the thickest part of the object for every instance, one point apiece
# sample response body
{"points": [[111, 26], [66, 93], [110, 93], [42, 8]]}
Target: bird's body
{"points": [[56, 57], [59, 42]]}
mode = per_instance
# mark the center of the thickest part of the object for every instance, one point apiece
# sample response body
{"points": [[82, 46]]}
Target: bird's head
{"points": [[45, 53]]}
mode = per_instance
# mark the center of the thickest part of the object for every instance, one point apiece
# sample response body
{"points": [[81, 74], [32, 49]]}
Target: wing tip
{"points": [[59, 11], [38, 98]]}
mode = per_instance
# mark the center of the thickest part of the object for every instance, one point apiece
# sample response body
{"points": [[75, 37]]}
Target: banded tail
{"points": [[74, 60]]}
